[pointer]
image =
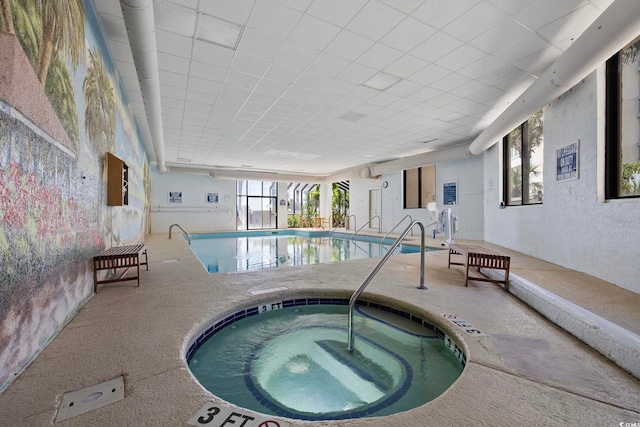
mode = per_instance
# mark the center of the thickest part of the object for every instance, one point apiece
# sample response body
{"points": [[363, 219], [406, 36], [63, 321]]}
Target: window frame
{"points": [[525, 166], [613, 126]]}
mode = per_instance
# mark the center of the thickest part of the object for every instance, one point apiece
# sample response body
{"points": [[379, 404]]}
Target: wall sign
{"points": [[567, 162], [450, 193], [211, 198], [175, 196]]}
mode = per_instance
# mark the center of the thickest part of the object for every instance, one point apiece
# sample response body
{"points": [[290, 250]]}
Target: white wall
{"points": [[574, 227], [468, 173], [194, 214]]}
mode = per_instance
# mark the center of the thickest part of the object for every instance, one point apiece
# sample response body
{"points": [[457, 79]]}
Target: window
{"points": [[257, 205], [622, 146], [419, 186], [523, 162]]}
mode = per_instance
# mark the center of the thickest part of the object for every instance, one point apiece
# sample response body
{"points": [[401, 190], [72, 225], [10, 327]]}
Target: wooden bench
{"points": [[480, 257], [119, 257]]}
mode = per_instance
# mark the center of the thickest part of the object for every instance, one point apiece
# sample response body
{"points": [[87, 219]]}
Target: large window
{"points": [[257, 205], [523, 162], [622, 150], [419, 186]]}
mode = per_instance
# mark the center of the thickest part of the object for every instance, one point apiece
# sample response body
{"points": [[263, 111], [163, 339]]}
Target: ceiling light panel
{"points": [[218, 31]]}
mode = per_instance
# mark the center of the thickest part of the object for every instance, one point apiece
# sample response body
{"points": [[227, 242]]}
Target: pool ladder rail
{"points": [[369, 224], [356, 294], [343, 224], [183, 230]]}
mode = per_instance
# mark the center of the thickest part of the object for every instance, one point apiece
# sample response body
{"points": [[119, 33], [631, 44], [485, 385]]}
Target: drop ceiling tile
{"points": [[570, 26], [408, 34], [512, 6], [173, 92], [176, 64], [312, 81], [197, 107], [505, 73], [327, 64], [450, 82], [237, 78], [439, 13], [429, 74], [172, 79], [271, 87], [469, 88], [404, 88], [480, 18], [406, 6], [236, 11], [544, 12], [349, 45], [114, 27], [539, 61], [210, 53], [173, 44], [282, 72], [249, 64], [356, 73], [296, 55], [500, 35], [314, 33], [300, 5], [201, 85], [481, 67], [379, 56], [273, 18], [121, 51], [174, 18], [436, 47], [259, 44], [425, 94], [375, 19], [338, 12], [460, 57], [522, 47], [406, 65], [263, 98]]}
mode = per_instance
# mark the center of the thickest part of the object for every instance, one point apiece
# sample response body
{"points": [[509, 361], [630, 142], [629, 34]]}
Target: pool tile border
{"points": [[252, 311]]}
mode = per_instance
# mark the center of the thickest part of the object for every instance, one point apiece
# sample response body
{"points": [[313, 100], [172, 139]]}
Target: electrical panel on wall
{"points": [[117, 181]]}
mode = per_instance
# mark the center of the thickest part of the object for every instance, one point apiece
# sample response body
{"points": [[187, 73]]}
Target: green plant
{"points": [[630, 184]]}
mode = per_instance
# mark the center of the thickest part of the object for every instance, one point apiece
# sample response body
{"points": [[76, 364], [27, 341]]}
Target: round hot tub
{"points": [[289, 358]]}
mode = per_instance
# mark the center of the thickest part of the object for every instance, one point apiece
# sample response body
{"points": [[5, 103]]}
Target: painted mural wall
{"points": [[62, 108]]}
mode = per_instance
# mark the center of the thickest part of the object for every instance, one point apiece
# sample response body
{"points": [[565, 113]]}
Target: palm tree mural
{"points": [[63, 25], [28, 26], [100, 119], [6, 21]]}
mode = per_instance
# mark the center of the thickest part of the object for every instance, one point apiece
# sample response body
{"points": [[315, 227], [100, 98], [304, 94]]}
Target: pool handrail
{"points": [[396, 226], [356, 294], [369, 223], [343, 223], [183, 230]]}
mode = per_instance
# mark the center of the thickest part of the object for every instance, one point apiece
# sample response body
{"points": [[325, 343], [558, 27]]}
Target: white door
{"points": [[374, 208]]}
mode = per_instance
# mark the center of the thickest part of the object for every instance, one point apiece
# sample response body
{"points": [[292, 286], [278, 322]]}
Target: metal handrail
{"points": [[369, 223], [356, 294], [183, 230], [396, 226], [343, 223]]}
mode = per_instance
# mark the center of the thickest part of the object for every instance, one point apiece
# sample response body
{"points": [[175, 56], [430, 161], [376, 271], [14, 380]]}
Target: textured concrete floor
{"points": [[525, 371]]}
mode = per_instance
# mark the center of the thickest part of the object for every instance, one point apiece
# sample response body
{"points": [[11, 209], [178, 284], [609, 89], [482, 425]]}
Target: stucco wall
{"points": [[574, 227]]}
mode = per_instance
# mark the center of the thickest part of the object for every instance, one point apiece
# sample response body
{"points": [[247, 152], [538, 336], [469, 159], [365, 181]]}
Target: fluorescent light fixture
{"points": [[215, 30], [382, 81]]}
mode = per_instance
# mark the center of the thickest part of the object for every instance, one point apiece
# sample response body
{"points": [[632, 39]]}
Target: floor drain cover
{"points": [[89, 398]]}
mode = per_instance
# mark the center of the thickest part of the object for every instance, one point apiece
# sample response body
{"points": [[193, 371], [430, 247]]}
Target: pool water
{"points": [[294, 363], [225, 253]]}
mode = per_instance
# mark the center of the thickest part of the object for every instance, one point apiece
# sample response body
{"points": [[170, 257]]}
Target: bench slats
{"points": [[119, 257], [481, 257]]}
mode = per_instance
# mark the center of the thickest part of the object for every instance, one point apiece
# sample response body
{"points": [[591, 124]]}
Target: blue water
{"points": [[293, 362], [231, 252]]}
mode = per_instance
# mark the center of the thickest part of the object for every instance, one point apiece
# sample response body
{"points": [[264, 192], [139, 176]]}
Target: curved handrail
{"points": [[356, 294], [343, 223], [396, 226], [369, 223], [183, 230]]}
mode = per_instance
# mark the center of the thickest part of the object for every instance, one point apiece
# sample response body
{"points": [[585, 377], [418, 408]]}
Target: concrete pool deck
{"points": [[525, 371]]}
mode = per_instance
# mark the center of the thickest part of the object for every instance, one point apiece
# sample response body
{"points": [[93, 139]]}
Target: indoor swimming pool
{"points": [[290, 358], [246, 251]]}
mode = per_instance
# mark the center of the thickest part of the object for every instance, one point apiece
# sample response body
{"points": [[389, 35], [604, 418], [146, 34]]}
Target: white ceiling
{"points": [[294, 96]]}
